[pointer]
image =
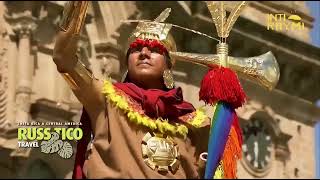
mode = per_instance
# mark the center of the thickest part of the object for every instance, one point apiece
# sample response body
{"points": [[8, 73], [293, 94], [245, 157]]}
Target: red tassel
{"points": [[222, 84]]}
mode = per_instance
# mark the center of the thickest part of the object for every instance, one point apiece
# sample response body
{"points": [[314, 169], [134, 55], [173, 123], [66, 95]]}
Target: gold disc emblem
{"points": [[160, 152]]}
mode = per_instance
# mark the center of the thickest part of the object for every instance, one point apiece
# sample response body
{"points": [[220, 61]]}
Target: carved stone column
{"points": [[4, 123], [23, 24]]}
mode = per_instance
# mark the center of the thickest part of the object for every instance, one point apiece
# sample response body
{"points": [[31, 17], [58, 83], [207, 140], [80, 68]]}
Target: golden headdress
{"points": [[155, 30]]}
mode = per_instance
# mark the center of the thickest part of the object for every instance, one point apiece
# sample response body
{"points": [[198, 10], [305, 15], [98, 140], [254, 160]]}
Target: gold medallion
{"points": [[160, 153]]}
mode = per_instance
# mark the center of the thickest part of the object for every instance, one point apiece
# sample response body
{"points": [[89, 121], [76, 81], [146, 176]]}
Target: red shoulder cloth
{"points": [[158, 103]]}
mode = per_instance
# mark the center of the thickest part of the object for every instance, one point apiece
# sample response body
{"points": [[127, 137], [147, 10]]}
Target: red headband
{"points": [[149, 43]]}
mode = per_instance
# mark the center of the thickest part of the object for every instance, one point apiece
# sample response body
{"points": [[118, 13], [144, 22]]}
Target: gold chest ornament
{"points": [[160, 152]]}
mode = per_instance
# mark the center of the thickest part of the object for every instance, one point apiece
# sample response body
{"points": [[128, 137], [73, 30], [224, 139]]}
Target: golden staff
{"points": [[73, 17], [262, 69]]}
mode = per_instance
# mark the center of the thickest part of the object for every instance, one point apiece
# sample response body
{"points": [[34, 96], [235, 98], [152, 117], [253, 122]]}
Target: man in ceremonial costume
{"points": [[142, 127]]}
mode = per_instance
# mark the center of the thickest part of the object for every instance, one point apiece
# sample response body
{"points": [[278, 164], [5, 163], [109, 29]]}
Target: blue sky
{"points": [[315, 12], [315, 34]]}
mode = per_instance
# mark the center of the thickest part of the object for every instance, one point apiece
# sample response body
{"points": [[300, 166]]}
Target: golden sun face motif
{"points": [[160, 153]]}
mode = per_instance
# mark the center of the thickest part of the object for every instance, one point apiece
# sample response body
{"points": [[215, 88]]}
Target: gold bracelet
{"points": [[70, 81], [83, 72]]}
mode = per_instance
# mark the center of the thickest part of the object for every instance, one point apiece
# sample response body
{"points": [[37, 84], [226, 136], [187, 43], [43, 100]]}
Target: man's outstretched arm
{"points": [[86, 88]]}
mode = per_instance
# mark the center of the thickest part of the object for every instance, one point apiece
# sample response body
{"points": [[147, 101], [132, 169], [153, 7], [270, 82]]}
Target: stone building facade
{"points": [[278, 125]]}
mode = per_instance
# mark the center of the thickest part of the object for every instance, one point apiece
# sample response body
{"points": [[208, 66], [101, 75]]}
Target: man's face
{"points": [[146, 65]]}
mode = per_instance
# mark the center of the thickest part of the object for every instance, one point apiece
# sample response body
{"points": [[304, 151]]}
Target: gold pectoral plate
{"points": [[160, 152]]}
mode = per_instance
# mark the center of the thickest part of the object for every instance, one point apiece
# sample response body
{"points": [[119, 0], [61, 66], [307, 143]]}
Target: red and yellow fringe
{"points": [[231, 154]]}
